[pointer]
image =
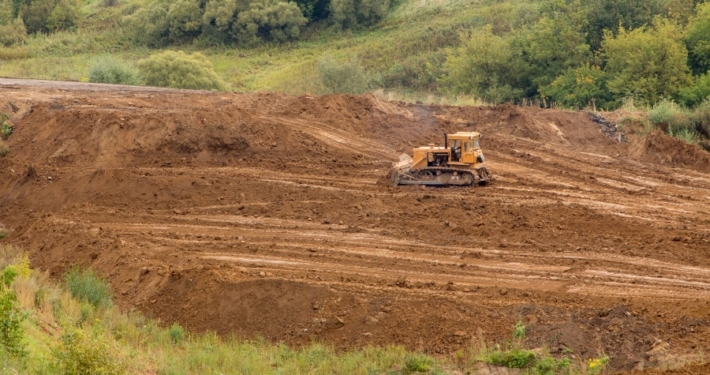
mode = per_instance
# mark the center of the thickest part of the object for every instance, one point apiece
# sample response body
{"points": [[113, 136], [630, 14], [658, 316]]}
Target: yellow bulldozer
{"points": [[459, 163]]}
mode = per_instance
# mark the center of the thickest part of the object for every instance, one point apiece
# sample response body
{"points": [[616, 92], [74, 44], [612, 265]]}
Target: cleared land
{"points": [[266, 215]]}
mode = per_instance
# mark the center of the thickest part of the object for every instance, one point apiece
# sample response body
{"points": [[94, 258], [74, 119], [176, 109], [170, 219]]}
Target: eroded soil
{"points": [[267, 215]]}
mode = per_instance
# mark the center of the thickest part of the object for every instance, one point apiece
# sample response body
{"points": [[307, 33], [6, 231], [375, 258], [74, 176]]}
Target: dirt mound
{"points": [[260, 214], [659, 148]]}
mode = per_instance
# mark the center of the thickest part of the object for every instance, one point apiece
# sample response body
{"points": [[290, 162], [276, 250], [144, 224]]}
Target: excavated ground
{"points": [[266, 215]]}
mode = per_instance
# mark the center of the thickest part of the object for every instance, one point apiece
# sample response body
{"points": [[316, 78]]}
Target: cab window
{"points": [[478, 144], [467, 147]]}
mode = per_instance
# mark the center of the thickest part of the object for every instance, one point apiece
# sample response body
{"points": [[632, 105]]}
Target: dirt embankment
{"points": [[261, 215]]}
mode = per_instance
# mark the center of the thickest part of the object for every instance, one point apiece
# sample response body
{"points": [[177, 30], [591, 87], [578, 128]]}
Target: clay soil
{"points": [[264, 215]]}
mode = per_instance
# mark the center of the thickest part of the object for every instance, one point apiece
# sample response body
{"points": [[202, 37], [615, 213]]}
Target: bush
{"points": [[343, 78], [514, 358], [273, 20], [648, 63], [4, 151], [80, 354], [13, 33], [11, 333], [149, 25], [107, 69], [417, 363], [86, 286], [668, 113], [578, 88], [351, 13], [180, 70], [63, 17], [697, 92], [45, 16], [177, 333], [184, 20], [485, 65]]}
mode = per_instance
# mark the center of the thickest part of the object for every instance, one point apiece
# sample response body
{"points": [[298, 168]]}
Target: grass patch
{"points": [[86, 286]]}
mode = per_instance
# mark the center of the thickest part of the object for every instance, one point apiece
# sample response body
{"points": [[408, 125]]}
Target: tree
{"points": [[484, 65], [218, 19], [696, 93], [615, 14], [45, 16], [698, 39], [180, 70], [273, 20], [314, 10], [149, 25], [551, 47], [648, 63], [184, 20], [351, 13], [12, 33], [579, 87]]}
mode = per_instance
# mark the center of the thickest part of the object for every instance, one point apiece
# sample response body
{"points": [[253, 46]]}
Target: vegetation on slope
{"points": [[73, 327]]}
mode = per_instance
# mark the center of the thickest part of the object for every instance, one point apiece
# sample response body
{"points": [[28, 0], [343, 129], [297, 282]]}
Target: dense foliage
{"points": [[180, 70], [570, 53]]}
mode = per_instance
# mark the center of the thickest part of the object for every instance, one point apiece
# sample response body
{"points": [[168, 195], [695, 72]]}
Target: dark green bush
{"points": [[12, 33], [87, 286], [514, 358], [351, 13], [180, 70], [107, 69], [273, 20], [48, 15]]}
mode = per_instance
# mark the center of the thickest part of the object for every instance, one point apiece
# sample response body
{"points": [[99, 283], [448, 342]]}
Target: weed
{"points": [[85, 285], [551, 366], [417, 363], [3, 232], [11, 333], [596, 366], [519, 330], [79, 353], [177, 333]]}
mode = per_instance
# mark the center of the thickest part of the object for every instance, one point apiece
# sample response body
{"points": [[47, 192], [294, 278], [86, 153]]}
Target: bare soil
{"points": [[266, 215]]}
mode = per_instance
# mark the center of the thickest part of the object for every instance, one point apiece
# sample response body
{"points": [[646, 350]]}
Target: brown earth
{"points": [[262, 215]]}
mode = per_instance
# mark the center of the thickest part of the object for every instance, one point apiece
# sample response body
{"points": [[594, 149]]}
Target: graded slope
{"points": [[262, 215]]}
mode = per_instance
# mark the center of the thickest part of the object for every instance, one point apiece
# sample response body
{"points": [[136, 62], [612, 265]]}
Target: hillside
{"points": [[266, 219]]}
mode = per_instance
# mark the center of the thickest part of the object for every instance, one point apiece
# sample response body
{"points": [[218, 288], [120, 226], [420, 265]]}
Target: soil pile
{"points": [[260, 214]]}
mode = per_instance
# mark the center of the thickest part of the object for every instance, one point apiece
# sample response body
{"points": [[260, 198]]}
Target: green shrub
{"points": [[149, 25], [417, 363], [579, 88], [273, 20], [669, 114], [107, 69], [5, 128], [180, 70], [351, 13], [8, 275], [81, 354], [177, 333], [44, 16], [697, 92], [11, 333], [550, 366], [343, 78], [513, 358], [519, 330], [184, 20], [13, 33], [85, 285], [64, 16]]}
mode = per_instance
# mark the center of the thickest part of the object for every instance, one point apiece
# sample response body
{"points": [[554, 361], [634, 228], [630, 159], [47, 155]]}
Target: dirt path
{"points": [[262, 215]]}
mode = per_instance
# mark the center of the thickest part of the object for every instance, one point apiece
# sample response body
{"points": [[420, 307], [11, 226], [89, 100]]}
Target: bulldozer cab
{"points": [[465, 148]]}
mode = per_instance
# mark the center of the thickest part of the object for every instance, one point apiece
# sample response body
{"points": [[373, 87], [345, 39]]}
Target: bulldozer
{"points": [[459, 163]]}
